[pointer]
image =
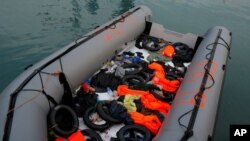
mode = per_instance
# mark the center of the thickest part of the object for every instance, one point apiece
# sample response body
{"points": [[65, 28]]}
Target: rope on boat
{"points": [[198, 97]]}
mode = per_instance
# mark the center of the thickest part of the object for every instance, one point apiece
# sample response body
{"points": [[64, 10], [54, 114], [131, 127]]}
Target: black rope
{"points": [[198, 97], [213, 81], [43, 91], [226, 46], [225, 43], [40, 92], [183, 115], [43, 72], [208, 55], [195, 97], [32, 90], [48, 97], [41, 79]]}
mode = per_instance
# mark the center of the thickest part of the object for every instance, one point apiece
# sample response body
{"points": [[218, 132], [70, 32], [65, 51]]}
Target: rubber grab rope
{"points": [[226, 45], [198, 97], [10, 114]]}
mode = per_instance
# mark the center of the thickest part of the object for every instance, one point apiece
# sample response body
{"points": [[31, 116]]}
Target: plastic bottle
{"points": [[110, 92]]}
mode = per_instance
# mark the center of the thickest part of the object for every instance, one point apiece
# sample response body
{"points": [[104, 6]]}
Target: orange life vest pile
{"points": [[148, 101], [160, 79], [124, 90], [151, 122], [149, 106]]}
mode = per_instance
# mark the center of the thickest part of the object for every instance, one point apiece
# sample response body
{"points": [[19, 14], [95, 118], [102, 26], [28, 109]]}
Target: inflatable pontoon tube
{"points": [[188, 120]]}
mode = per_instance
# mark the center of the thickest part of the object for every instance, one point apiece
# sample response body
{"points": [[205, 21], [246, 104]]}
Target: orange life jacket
{"points": [[150, 102], [147, 99], [151, 122], [85, 87], [157, 67], [76, 136], [167, 85], [124, 90], [168, 51], [160, 79]]}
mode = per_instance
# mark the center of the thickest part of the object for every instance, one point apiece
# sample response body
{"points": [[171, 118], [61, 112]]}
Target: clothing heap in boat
{"points": [[132, 89]]}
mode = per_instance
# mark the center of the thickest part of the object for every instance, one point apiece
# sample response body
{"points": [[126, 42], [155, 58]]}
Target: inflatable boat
{"points": [[26, 103]]}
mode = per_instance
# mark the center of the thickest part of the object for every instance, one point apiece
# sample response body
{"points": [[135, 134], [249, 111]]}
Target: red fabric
{"points": [[151, 122], [159, 78], [124, 90], [150, 102], [59, 139], [85, 87]]}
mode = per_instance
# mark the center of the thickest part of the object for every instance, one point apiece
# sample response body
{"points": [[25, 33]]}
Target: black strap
{"points": [[67, 98], [50, 98], [198, 97]]}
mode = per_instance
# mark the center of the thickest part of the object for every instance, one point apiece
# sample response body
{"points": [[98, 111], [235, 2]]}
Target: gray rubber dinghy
{"points": [[129, 78]]}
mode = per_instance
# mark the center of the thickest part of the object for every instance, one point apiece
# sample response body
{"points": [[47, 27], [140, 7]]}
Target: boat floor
{"points": [[111, 132]]}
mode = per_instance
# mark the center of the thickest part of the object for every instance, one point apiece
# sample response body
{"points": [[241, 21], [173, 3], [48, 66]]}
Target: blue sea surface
{"points": [[31, 30]]}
